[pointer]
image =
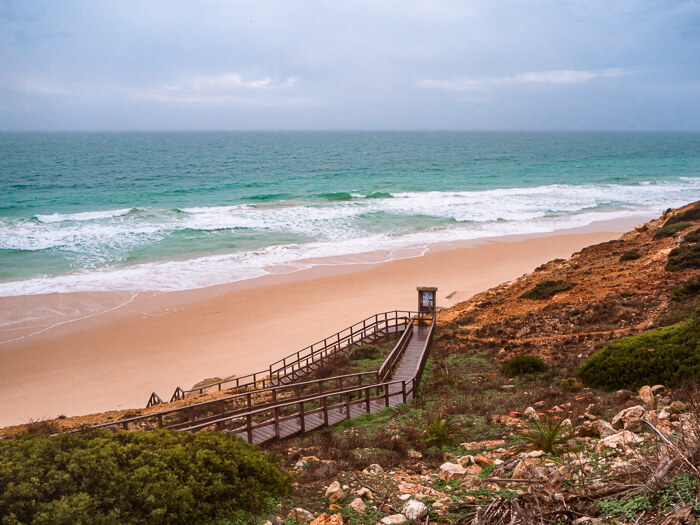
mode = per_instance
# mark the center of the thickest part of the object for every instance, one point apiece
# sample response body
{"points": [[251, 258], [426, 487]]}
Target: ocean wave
{"points": [[102, 239], [83, 216]]}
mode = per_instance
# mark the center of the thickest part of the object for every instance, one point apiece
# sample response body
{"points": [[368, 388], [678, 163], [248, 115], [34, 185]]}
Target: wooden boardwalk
{"points": [[403, 374], [282, 410]]}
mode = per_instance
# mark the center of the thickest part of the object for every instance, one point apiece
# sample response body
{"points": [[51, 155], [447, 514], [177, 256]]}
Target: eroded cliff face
{"points": [[613, 295]]}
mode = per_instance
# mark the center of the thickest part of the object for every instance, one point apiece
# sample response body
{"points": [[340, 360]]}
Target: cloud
{"points": [[226, 88], [556, 76]]}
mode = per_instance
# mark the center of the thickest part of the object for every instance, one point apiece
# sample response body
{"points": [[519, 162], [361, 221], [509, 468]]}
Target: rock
{"points": [[373, 469], [635, 424], [619, 420], [677, 407], [531, 414], [535, 454], [358, 505], [658, 390], [310, 459], [334, 492], [621, 439], [603, 428], [530, 468], [300, 515], [405, 497], [647, 397], [664, 414], [326, 519], [482, 461], [414, 510], [364, 492], [471, 483], [450, 471], [586, 429], [474, 470], [394, 519], [540, 404], [465, 461], [624, 395], [414, 454]]}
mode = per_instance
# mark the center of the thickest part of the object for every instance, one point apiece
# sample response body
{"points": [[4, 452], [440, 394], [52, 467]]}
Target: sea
{"points": [[177, 211]]}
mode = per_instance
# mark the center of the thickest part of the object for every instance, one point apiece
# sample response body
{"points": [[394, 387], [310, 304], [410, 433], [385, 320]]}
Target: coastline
{"points": [[156, 341]]}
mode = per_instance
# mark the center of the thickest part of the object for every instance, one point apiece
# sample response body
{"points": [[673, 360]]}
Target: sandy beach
{"points": [[114, 357]]}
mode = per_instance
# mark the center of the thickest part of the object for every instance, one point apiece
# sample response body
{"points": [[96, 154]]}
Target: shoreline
{"points": [[157, 341]]}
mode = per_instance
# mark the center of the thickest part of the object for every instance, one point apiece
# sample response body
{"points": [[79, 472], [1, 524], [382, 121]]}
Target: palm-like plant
{"points": [[546, 434]]}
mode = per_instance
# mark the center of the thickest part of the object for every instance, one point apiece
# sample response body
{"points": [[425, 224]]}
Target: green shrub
{"points": [[365, 352], [523, 364], [683, 257], [671, 229], [630, 256], [693, 214], [668, 356], [547, 289], [571, 384], [136, 477], [546, 434], [688, 291], [440, 432], [693, 236]]}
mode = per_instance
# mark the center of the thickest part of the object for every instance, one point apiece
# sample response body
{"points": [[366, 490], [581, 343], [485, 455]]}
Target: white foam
{"points": [[82, 216]]}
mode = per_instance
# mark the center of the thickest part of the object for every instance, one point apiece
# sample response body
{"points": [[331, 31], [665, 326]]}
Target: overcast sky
{"points": [[395, 64]]}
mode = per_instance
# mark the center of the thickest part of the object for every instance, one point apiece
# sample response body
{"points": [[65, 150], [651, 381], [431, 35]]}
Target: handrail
{"points": [[397, 352], [262, 391], [414, 382], [335, 342], [291, 403]]}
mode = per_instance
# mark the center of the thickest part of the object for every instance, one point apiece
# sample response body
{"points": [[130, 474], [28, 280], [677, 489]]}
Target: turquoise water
{"points": [[172, 211]]}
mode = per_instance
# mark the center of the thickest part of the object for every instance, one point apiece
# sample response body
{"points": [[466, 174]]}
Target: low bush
{"points": [[547, 289], [136, 477], [683, 258], [571, 384], [440, 432], [630, 256], [685, 300], [693, 214], [523, 364], [546, 434], [670, 230], [693, 236], [365, 352], [668, 356]]}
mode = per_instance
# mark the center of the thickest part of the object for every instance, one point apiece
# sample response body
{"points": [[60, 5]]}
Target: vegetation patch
{"points": [[366, 352], [547, 289], [693, 214], [670, 230], [136, 477], [693, 236], [683, 257], [630, 255], [571, 384], [522, 365], [668, 355]]}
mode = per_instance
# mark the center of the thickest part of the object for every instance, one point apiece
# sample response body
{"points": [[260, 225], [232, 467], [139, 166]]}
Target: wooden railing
{"points": [[247, 400], [298, 364], [396, 354], [282, 410], [280, 424]]}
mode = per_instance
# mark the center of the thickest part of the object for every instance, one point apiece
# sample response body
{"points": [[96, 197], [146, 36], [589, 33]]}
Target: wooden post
{"points": [[249, 400], [160, 420], [274, 395], [386, 395], [276, 412], [302, 423], [347, 405], [367, 399], [249, 429], [403, 390], [324, 403]]}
